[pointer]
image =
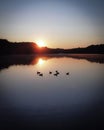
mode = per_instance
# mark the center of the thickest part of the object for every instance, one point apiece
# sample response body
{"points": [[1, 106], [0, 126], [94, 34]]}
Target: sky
{"points": [[59, 23]]}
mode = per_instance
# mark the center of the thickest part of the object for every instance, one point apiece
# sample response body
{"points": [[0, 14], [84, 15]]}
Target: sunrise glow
{"points": [[40, 43]]}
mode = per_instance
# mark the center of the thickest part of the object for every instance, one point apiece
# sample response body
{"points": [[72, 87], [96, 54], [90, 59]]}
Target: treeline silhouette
{"points": [[9, 48]]}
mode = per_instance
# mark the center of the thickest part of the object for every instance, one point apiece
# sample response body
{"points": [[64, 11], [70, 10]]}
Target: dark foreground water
{"points": [[30, 101]]}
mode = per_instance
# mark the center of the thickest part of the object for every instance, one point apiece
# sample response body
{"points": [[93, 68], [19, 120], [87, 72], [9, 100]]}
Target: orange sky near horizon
{"points": [[58, 23]]}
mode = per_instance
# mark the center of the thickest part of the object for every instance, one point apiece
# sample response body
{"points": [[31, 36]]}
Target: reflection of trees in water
{"points": [[98, 58], [7, 61]]}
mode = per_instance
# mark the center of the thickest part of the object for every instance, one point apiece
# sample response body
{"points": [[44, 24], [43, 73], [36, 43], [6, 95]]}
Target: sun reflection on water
{"points": [[41, 62]]}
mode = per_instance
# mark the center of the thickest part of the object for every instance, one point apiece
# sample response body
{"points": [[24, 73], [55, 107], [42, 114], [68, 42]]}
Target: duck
{"points": [[50, 72], [67, 73], [40, 74], [56, 74]]}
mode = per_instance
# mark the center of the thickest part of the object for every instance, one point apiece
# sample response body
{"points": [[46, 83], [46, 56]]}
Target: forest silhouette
{"points": [[10, 48]]}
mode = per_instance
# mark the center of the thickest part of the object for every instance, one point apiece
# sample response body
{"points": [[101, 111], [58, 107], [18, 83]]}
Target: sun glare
{"points": [[41, 61], [40, 43]]}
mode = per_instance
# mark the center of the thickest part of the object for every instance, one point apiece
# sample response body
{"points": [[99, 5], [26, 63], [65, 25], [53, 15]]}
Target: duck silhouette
{"points": [[55, 74], [40, 74], [50, 72], [67, 73]]}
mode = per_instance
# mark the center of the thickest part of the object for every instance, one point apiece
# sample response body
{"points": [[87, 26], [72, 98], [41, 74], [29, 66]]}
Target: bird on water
{"points": [[67, 73], [50, 72], [40, 74]]}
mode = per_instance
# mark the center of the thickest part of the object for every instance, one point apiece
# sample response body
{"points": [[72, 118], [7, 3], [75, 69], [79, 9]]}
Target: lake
{"points": [[62, 101]]}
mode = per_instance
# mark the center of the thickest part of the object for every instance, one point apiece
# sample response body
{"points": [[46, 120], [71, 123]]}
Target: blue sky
{"points": [[59, 23]]}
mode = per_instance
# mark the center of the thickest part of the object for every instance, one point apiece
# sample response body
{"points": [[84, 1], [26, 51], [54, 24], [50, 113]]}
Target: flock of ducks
{"points": [[50, 72]]}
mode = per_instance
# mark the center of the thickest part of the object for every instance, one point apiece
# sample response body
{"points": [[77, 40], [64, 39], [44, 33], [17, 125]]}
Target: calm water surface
{"points": [[48, 101]]}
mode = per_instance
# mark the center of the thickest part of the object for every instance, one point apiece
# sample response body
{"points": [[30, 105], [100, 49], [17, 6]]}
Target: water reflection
{"points": [[60, 101], [6, 61], [41, 61]]}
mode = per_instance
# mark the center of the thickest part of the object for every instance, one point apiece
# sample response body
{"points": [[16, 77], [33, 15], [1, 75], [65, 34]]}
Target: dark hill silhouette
{"points": [[9, 48]]}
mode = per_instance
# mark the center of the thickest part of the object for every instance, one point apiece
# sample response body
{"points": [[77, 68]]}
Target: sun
{"points": [[40, 43]]}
